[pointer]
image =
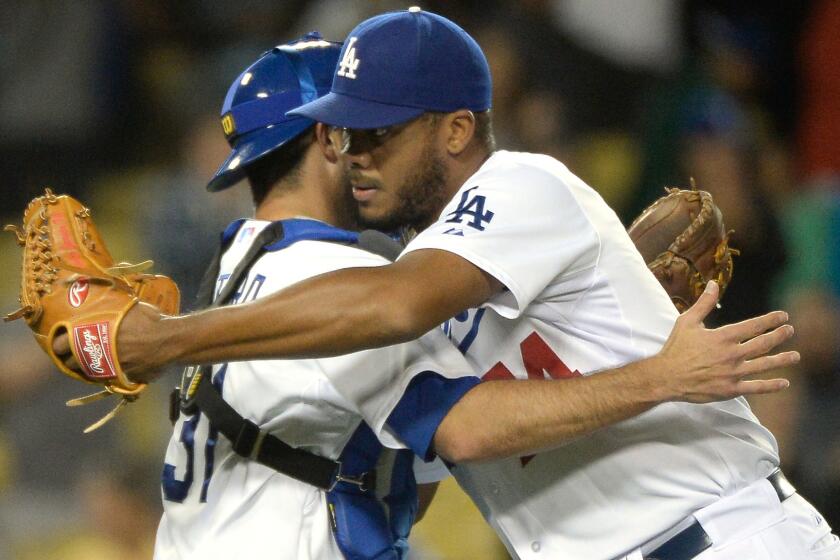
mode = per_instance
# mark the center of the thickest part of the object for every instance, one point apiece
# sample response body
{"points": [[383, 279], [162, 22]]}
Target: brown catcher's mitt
{"points": [[684, 242], [72, 284]]}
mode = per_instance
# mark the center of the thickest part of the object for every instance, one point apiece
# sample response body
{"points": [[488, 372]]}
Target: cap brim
{"points": [[337, 109], [252, 146]]}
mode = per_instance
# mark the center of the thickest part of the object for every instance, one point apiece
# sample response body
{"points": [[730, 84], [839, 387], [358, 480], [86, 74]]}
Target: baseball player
{"points": [[225, 496], [555, 289], [542, 281], [252, 510]]}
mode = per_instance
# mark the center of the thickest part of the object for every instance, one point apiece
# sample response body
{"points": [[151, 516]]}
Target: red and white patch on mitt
{"points": [[92, 344]]}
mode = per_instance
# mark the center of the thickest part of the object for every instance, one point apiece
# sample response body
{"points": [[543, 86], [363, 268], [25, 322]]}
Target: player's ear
{"points": [[459, 129], [326, 138]]}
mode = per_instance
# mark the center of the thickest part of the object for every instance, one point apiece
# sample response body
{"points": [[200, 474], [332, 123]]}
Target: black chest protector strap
{"points": [[197, 393]]}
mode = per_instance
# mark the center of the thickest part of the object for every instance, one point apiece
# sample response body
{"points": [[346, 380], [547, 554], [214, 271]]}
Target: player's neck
{"points": [[464, 167], [283, 207], [310, 193]]}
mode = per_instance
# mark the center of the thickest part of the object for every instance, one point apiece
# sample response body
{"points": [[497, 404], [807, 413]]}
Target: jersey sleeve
{"points": [[403, 392], [520, 223], [430, 472], [423, 406]]}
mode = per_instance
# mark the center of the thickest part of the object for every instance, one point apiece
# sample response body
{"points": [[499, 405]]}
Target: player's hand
{"points": [[703, 365], [138, 345]]}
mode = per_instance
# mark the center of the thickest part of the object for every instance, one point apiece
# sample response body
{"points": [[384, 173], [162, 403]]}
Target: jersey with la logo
{"points": [[579, 299], [219, 505]]}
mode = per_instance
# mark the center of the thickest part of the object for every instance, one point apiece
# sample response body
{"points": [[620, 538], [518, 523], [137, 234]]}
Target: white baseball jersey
{"points": [[580, 299], [219, 505]]}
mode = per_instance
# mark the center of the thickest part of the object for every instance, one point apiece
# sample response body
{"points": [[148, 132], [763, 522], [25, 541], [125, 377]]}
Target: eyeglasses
{"points": [[361, 140]]}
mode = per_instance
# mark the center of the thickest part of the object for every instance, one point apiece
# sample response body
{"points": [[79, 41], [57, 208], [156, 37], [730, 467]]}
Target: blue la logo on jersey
{"points": [[471, 205]]}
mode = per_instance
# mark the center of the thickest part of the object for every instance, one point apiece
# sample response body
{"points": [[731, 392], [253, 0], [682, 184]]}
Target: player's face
{"points": [[398, 175]]}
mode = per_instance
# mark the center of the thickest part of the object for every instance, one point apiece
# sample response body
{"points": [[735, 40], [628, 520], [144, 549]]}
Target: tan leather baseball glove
{"points": [[684, 242], [70, 283]]}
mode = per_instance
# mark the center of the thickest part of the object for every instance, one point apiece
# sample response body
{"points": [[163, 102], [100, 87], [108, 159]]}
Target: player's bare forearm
{"points": [[696, 365], [332, 314], [328, 315], [504, 418]]}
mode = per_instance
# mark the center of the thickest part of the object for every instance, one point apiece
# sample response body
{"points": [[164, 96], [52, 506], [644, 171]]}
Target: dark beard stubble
{"points": [[422, 197]]}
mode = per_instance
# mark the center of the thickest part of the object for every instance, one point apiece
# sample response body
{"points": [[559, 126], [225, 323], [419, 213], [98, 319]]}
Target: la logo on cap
{"points": [[348, 65]]}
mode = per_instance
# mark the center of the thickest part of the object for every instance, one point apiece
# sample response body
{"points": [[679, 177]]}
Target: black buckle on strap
{"points": [[249, 440]]}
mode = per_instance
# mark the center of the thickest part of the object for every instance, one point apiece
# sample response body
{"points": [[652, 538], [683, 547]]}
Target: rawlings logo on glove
{"points": [[95, 350], [77, 294], [70, 284], [682, 238]]}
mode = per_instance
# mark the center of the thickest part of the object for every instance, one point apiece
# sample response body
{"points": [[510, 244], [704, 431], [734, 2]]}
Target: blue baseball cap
{"points": [[396, 66], [254, 111]]}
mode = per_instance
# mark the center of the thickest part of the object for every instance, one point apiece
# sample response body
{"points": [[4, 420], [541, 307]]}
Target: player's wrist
{"points": [[173, 340], [653, 380]]}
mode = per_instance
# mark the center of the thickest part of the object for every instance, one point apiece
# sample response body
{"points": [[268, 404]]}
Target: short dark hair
{"points": [[284, 162], [484, 130]]}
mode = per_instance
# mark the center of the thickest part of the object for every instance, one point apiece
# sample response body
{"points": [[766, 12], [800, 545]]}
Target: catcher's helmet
{"points": [[254, 112]]}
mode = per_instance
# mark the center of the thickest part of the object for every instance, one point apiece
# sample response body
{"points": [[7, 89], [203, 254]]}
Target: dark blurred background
{"points": [[116, 102]]}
